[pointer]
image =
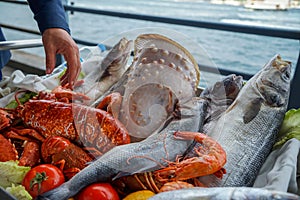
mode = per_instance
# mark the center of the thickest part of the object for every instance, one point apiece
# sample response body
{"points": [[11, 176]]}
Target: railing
{"points": [[263, 31]]}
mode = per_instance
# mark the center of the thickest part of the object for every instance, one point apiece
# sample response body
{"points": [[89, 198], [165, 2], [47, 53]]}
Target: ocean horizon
{"points": [[235, 51]]}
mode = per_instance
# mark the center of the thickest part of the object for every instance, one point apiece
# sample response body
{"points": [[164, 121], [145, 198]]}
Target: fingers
{"points": [[50, 52], [73, 66], [50, 63], [58, 41], [64, 78]]}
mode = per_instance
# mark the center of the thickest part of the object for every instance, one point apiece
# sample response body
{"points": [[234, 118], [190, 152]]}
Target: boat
{"points": [[267, 4]]}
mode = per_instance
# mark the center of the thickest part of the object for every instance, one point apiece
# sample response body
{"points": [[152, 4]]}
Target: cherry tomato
{"points": [[42, 178], [103, 191]]}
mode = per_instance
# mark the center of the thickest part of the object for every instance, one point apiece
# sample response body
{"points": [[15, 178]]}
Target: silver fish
{"points": [[108, 71], [248, 128], [220, 96], [224, 193], [147, 155]]}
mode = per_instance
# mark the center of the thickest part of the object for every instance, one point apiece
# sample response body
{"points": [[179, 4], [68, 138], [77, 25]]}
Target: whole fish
{"points": [[219, 97], [224, 193], [147, 155], [106, 71], [248, 128]]}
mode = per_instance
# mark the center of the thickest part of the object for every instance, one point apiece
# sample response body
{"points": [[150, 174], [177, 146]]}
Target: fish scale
{"points": [[245, 154]]}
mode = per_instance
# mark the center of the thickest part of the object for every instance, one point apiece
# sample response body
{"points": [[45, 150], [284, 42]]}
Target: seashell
{"points": [[162, 77], [150, 100], [169, 50]]}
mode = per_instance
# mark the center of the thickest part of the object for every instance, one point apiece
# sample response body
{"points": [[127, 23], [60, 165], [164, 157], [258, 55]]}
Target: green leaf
{"points": [[19, 192], [291, 119], [290, 127], [288, 136], [11, 173]]}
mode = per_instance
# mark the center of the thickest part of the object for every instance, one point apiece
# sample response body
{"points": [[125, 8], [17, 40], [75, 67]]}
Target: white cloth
{"points": [[29, 82], [34, 83], [281, 171]]}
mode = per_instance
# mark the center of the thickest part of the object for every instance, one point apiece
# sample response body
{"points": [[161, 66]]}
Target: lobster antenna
{"points": [[7, 109], [16, 99], [16, 96]]}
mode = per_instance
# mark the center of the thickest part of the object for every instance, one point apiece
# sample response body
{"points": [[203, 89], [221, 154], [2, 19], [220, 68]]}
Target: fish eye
{"points": [[285, 72], [218, 84]]}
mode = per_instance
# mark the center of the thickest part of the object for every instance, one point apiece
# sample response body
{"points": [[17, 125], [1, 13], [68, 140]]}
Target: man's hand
{"points": [[58, 41]]}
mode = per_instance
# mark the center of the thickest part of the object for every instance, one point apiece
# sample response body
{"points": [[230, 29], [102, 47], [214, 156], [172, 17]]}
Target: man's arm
{"points": [[4, 54], [51, 19], [49, 14]]}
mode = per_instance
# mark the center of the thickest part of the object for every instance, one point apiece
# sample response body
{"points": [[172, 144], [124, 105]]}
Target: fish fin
{"points": [[252, 109], [231, 106], [215, 115], [121, 174]]}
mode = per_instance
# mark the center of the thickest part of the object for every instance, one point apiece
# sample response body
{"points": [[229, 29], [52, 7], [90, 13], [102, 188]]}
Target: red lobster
{"points": [[90, 127]]}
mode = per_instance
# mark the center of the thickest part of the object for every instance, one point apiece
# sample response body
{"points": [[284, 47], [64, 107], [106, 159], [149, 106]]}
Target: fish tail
{"points": [[60, 193]]}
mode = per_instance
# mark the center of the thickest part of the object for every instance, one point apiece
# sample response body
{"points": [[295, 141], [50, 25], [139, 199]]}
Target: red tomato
{"points": [[42, 178], [103, 191]]}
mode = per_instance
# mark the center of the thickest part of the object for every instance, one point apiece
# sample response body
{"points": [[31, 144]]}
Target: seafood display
{"points": [[247, 130], [216, 99], [144, 126], [147, 155]]}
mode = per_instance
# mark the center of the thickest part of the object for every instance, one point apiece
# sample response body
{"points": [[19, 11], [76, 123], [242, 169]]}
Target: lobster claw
{"points": [[60, 151], [8, 151], [5, 119], [61, 92]]}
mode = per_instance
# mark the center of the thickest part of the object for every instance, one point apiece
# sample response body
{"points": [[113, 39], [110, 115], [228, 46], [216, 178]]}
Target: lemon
{"points": [[140, 195]]}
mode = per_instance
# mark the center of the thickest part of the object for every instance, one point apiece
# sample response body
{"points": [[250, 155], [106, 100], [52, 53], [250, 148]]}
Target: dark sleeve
{"points": [[49, 14], [4, 55]]}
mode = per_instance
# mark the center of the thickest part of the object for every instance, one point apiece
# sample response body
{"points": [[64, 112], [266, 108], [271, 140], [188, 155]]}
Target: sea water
{"points": [[234, 51]]}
